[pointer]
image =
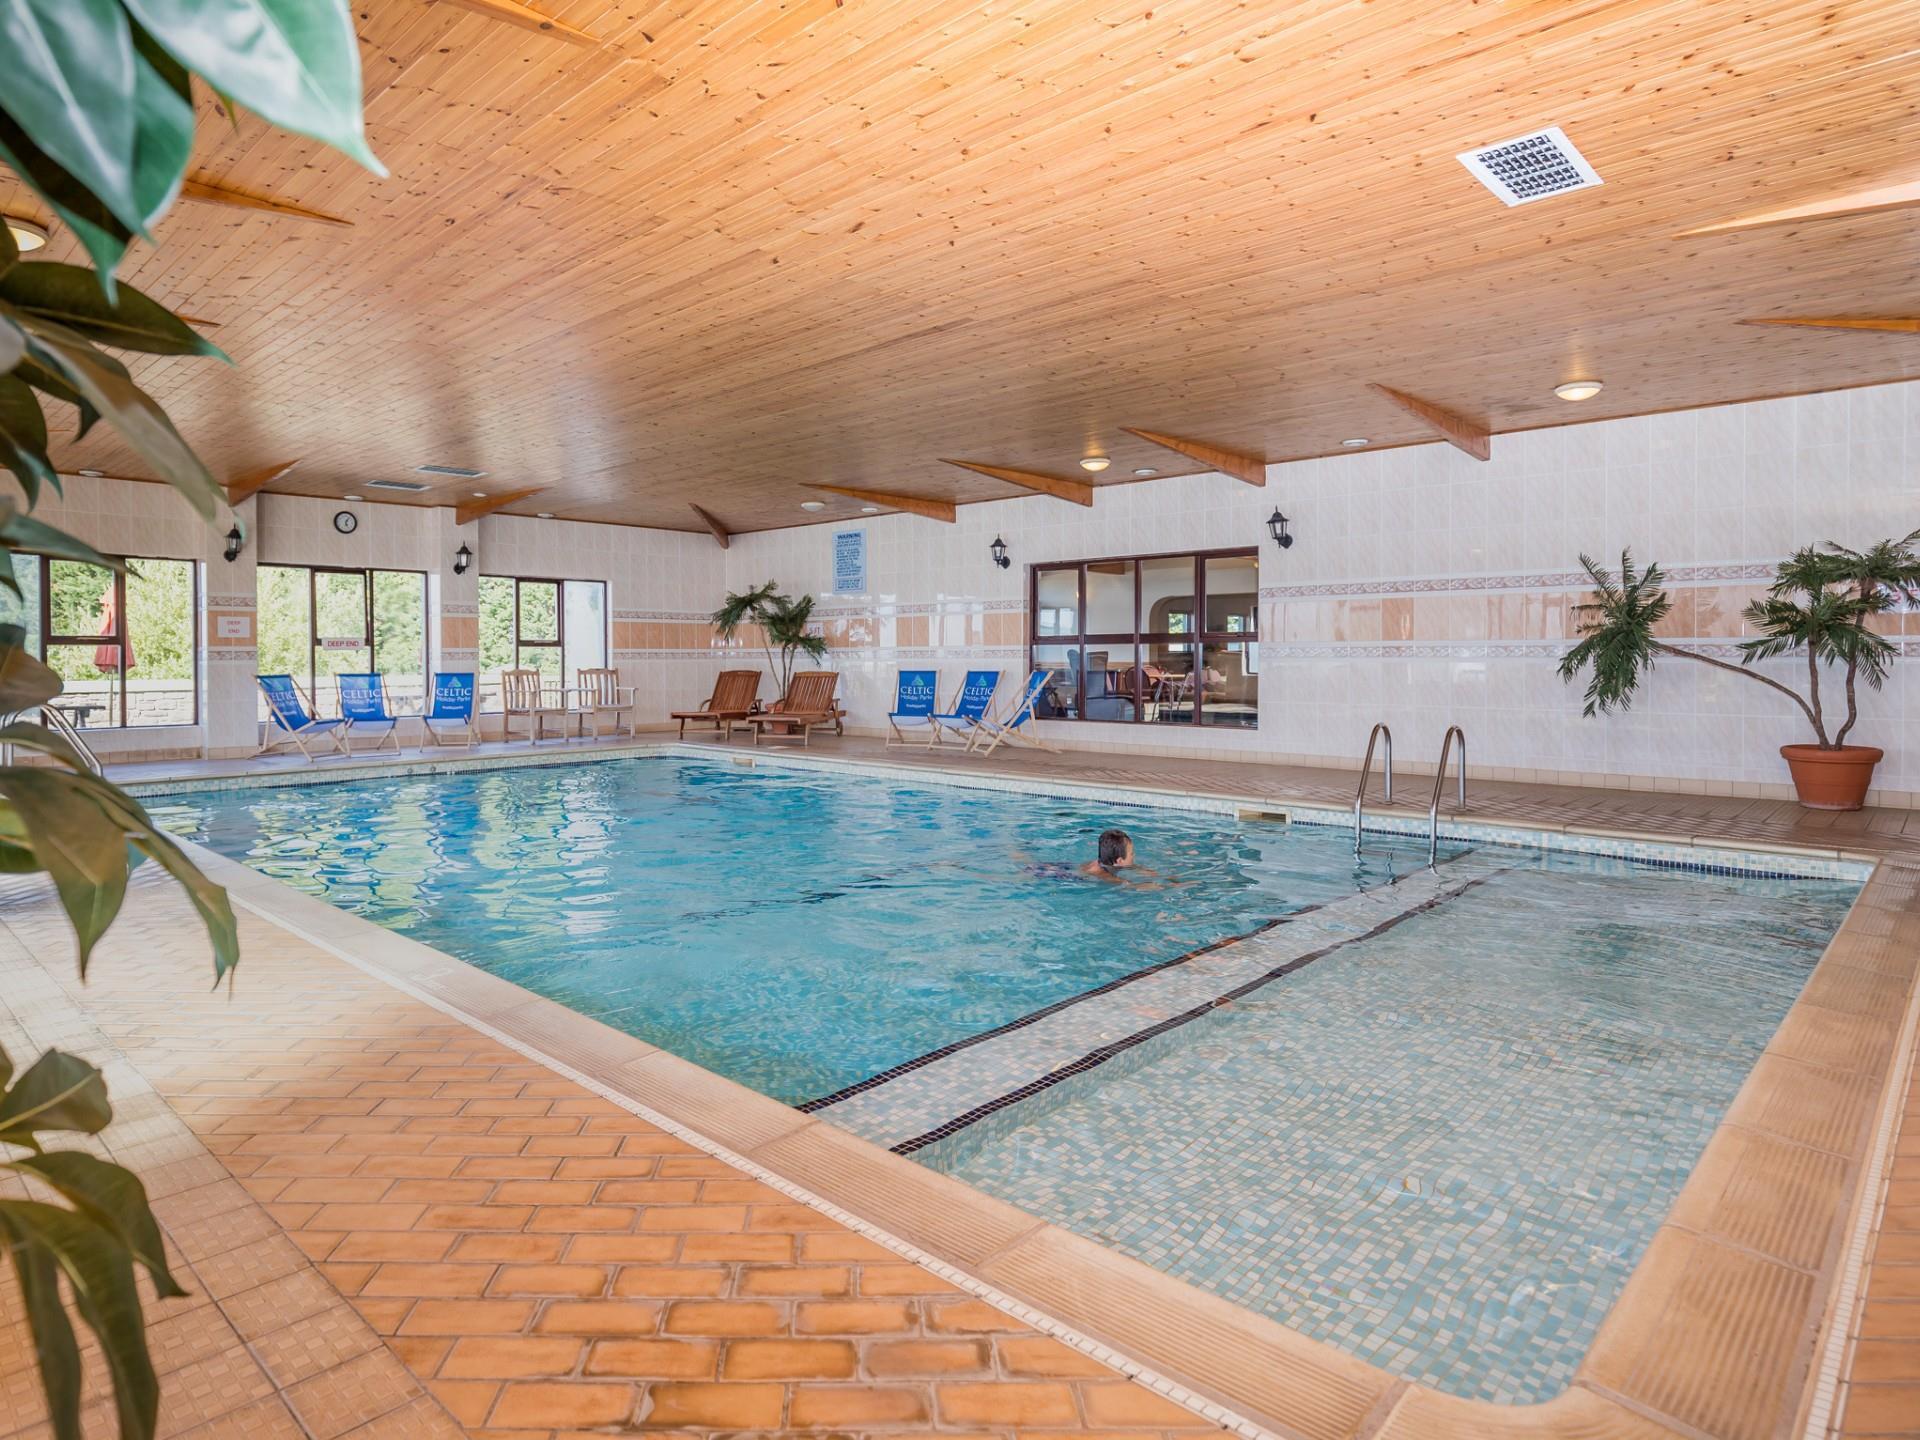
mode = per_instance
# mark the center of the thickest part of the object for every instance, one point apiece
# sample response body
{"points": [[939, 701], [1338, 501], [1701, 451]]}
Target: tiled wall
{"points": [[1428, 589], [1424, 589]]}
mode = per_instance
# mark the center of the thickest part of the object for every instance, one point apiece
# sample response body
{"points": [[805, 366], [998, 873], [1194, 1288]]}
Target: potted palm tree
{"points": [[784, 623], [1820, 604]]}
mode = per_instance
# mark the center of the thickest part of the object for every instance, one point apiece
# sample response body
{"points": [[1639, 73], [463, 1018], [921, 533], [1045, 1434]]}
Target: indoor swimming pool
{"points": [[1432, 1117]]}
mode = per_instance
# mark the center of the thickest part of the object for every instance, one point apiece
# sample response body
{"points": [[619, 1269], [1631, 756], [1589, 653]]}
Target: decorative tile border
{"points": [[1534, 580]]}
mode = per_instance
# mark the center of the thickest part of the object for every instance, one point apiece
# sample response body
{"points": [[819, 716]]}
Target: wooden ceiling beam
{"points": [[1456, 430], [527, 18], [941, 510], [1237, 463], [1078, 491], [203, 193], [470, 510], [719, 530], [1892, 324], [245, 487], [1858, 202]]}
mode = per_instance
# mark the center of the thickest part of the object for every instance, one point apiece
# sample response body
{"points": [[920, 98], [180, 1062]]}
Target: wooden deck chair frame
{"points": [[741, 687], [468, 729], [600, 691], [897, 736], [377, 687], [808, 705], [1020, 721], [312, 730], [522, 694]]}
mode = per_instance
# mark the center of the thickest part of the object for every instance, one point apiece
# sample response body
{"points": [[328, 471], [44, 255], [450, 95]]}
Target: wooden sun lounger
{"points": [[807, 706], [735, 693]]}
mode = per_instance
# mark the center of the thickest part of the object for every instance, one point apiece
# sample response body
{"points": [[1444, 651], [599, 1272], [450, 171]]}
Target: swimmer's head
{"points": [[1116, 849]]}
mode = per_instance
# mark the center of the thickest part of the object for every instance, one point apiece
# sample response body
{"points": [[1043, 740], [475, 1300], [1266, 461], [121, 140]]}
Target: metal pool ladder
{"points": [[1366, 769], [1439, 782], [56, 720]]}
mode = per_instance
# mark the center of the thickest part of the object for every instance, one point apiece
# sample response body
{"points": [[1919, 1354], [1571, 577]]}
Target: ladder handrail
{"points": [[57, 721], [1439, 784], [1366, 769]]}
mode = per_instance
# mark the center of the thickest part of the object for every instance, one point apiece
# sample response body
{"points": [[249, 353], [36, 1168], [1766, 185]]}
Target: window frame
{"points": [[1195, 639], [559, 642], [119, 638], [366, 574]]}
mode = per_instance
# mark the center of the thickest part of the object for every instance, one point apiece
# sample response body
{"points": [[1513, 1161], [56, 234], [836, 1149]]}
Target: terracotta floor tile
{"points": [[851, 1407], [655, 1359], [715, 1406], [316, 1343], [511, 1357], [550, 1404], [346, 1396]]}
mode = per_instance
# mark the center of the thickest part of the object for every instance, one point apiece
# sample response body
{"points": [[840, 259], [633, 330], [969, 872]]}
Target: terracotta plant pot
{"points": [[1831, 779]]}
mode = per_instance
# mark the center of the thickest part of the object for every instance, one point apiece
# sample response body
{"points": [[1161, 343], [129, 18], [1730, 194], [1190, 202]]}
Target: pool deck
{"points": [[399, 1221]]}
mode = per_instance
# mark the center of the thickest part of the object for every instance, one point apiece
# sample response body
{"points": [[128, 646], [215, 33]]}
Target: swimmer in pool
{"points": [[1114, 863]]}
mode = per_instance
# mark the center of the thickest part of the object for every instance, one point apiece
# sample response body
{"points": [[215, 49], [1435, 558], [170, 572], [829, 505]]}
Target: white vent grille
{"points": [[1531, 167], [411, 487], [459, 471]]}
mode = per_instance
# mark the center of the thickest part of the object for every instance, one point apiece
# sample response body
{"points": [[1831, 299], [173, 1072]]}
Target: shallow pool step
{"points": [[940, 1093]]}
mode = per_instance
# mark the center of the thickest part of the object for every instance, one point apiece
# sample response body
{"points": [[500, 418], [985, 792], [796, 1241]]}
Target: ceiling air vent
{"points": [[406, 487], [1532, 167], [459, 472]]}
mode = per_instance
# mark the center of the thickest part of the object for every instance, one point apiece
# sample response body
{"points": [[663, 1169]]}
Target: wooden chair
{"points": [[735, 695], [523, 694], [601, 693], [807, 706]]}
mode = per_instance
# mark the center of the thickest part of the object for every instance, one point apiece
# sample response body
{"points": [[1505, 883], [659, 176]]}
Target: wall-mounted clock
{"points": [[346, 522]]}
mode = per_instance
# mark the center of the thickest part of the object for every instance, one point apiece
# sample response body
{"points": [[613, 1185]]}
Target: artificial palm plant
{"points": [[97, 118], [1821, 603], [784, 622]]}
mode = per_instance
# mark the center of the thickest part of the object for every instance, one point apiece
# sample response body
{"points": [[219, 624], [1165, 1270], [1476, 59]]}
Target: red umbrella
{"points": [[107, 657]]}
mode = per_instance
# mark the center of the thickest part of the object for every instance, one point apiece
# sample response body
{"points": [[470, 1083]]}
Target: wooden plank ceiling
{"points": [[738, 249]]}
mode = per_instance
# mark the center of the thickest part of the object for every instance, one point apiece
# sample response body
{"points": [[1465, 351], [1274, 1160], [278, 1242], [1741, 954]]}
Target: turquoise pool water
{"points": [[1433, 1118]]}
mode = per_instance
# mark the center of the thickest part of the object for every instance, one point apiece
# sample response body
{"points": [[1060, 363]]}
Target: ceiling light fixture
{"points": [[1578, 389], [1095, 463], [93, 474], [1356, 442], [479, 494], [349, 497], [27, 234], [869, 509], [543, 515], [810, 506], [1145, 470]]}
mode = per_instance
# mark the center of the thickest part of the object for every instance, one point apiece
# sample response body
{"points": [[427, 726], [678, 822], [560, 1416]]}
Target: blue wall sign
{"points": [[849, 562]]}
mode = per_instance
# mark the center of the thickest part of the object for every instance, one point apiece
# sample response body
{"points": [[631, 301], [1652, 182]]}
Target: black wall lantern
{"points": [[1277, 527], [1000, 553], [234, 541], [462, 558]]}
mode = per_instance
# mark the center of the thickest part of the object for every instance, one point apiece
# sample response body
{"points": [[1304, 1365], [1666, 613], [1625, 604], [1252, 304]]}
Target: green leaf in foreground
{"points": [[57, 1092]]}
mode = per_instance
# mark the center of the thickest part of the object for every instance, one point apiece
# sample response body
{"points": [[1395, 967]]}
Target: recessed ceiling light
{"points": [[96, 474], [1355, 443], [349, 497], [27, 234], [869, 509], [1146, 470], [543, 515], [1095, 463], [1578, 389], [812, 505], [479, 494]]}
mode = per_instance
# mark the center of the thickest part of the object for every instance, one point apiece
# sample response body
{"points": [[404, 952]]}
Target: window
{"points": [[125, 646], [1150, 639], [558, 627], [317, 623]]}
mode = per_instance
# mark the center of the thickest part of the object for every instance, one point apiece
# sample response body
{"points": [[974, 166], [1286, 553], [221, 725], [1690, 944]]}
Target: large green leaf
{"points": [[48, 383], [53, 1342], [82, 848], [162, 126], [69, 296], [13, 340], [70, 87], [23, 432], [79, 209], [99, 1275], [295, 63], [57, 1092], [25, 683], [114, 1199], [141, 423], [25, 735]]}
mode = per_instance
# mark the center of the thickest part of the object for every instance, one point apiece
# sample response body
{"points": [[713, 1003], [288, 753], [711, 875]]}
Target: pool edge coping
{"points": [[1088, 1295]]}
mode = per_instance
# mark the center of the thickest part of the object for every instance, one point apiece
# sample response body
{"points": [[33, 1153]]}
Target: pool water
{"points": [[1436, 1122], [794, 932]]}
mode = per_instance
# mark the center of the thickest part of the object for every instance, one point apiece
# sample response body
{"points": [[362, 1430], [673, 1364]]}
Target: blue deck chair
{"points": [[969, 708], [363, 701], [452, 709], [1018, 725], [293, 715], [914, 701]]}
